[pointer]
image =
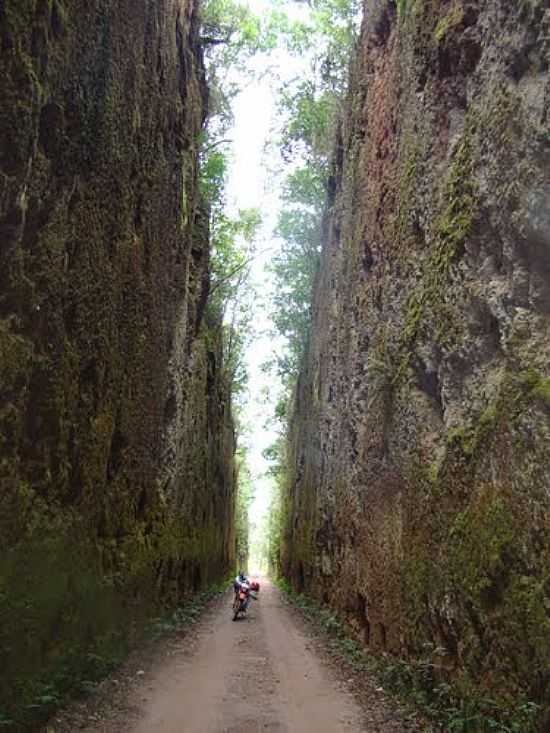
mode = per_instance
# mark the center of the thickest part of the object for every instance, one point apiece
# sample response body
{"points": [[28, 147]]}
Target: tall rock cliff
{"points": [[116, 438], [419, 440]]}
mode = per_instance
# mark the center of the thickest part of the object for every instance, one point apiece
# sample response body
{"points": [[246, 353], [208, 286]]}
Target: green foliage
{"points": [[295, 266], [231, 24], [538, 387], [294, 269], [402, 7], [213, 177], [309, 110], [245, 497], [231, 241], [231, 253], [264, 545], [184, 616], [449, 21], [268, 537], [231, 34]]}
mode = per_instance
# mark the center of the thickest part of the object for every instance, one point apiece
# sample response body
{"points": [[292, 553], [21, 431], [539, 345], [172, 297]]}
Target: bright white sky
{"points": [[249, 186]]}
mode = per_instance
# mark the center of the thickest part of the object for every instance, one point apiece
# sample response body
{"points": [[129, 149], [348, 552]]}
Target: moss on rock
{"points": [[115, 497], [421, 469]]}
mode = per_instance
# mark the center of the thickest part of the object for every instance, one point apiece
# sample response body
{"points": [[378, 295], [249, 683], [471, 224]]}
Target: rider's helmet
{"points": [[242, 576]]}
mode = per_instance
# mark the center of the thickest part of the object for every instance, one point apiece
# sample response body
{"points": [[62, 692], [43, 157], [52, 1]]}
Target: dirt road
{"points": [[256, 674], [262, 673]]}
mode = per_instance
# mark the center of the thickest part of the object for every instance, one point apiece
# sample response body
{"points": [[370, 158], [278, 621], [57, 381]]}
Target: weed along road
{"points": [[261, 673]]}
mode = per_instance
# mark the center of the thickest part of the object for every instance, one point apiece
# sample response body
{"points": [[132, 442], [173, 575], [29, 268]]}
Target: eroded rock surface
{"points": [[421, 425], [116, 439]]}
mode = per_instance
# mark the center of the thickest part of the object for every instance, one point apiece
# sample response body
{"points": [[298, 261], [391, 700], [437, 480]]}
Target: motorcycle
{"points": [[242, 599]]}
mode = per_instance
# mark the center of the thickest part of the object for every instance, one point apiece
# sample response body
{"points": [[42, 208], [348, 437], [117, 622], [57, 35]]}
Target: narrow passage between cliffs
{"points": [[262, 673]]}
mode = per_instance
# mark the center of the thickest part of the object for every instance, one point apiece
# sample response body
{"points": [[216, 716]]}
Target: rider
{"points": [[241, 580]]}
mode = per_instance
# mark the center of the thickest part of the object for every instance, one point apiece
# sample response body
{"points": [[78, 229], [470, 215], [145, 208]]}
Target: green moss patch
{"points": [[445, 25]]}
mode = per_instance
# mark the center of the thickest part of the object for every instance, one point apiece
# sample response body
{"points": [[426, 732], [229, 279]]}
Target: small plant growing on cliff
{"points": [[453, 18], [5, 721], [232, 251], [402, 6]]}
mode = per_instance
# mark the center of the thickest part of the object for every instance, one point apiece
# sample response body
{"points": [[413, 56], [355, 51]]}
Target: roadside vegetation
{"points": [[69, 682], [435, 705]]}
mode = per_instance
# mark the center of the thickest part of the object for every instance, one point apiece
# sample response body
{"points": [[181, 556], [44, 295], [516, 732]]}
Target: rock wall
{"points": [[116, 438], [420, 471]]}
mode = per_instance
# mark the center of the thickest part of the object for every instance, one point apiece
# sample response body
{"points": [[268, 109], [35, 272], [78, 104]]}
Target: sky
{"points": [[251, 184]]}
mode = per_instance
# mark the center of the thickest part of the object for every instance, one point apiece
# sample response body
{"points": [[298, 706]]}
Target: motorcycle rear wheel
{"points": [[240, 609]]}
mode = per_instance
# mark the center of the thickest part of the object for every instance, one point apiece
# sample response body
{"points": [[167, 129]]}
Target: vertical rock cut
{"points": [[116, 439], [419, 439]]}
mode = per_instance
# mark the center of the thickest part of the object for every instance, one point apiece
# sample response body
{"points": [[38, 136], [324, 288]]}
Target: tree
{"points": [[268, 548], [231, 36], [309, 110], [245, 497], [231, 253]]}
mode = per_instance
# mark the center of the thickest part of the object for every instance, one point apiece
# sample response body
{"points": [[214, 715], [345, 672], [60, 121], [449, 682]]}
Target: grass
{"points": [[415, 682], [185, 615]]}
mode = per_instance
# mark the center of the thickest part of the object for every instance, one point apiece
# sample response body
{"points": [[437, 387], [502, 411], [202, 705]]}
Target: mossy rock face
{"points": [[418, 474], [116, 438]]}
